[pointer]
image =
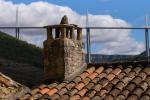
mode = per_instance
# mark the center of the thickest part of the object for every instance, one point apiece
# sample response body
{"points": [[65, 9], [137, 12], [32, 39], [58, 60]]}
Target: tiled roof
{"points": [[109, 82], [9, 89]]}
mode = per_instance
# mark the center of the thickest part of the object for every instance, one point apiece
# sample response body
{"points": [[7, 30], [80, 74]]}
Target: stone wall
{"points": [[74, 58], [63, 52]]}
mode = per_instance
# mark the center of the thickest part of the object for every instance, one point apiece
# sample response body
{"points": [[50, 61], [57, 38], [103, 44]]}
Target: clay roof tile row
{"points": [[95, 83]]}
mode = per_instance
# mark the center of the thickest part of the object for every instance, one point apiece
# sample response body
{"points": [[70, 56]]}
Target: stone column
{"points": [[63, 32], [79, 34], [49, 33], [72, 33]]}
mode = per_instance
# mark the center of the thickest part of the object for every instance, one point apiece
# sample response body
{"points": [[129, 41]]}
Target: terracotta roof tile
{"points": [[99, 70], [106, 83], [116, 71], [90, 85], [63, 91], [115, 92], [120, 97], [96, 98], [10, 89], [86, 98], [45, 90], [79, 86], [75, 97], [84, 75], [110, 77], [90, 70], [145, 97], [93, 75], [65, 97], [77, 80], [125, 93], [82, 92], [91, 93], [147, 70], [120, 85], [132, 97], [52, 91], [147, 92], [109, 97]]}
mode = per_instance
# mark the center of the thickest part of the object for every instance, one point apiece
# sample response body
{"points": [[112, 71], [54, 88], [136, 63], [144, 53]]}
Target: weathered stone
{"points": [[64, 56]]}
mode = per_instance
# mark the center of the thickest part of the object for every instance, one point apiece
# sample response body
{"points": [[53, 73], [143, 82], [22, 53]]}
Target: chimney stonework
{"points": [[63, 54]]}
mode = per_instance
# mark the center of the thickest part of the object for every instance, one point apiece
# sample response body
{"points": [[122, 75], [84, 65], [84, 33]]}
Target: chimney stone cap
{"points": [[63, 24], [64, 20]]}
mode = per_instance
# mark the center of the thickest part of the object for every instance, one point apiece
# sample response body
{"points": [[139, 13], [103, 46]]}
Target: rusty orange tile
{"points": [[101, 75], [93, 75], [110, 77], [110, 83], [116, 71], [84, 75], [82, 92], [90, 70], [75, 97], [45, 90], [86, 98], [86, 80], [79, 86], [77, 80], [99, 70], [52, 91]]}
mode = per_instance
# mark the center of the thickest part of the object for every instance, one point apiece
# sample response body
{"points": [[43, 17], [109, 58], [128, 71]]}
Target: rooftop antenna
{"points": [[146, 35], [88, 38], [17, 23]]}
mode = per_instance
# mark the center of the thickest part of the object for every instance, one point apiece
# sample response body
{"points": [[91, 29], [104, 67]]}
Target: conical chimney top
{"points": [[64, 20]]}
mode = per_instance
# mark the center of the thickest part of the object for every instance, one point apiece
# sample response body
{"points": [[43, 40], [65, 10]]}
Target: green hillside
{"points": [[19, 51]]}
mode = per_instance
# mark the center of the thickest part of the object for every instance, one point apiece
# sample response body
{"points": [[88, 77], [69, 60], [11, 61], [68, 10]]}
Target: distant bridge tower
{"points": [[17, 23], [146, 36], [88, 40]]}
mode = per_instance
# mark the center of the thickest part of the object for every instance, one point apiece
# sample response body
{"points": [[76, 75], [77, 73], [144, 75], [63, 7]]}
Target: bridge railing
{"points": [[91, 44]]}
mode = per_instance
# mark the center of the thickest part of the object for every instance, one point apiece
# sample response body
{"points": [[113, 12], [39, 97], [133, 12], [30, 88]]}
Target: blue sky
{"points": [[130, 10], [133, 11], [103, 12]]}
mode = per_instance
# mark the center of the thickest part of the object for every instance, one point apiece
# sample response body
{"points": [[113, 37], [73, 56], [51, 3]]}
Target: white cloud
{"points": [[42, 13]]}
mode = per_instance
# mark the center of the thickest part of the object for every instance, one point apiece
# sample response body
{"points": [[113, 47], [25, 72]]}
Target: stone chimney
{"points": [[63, 52]]}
